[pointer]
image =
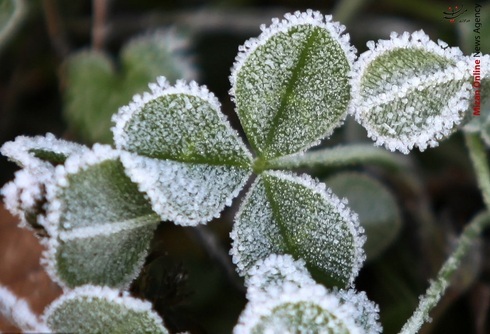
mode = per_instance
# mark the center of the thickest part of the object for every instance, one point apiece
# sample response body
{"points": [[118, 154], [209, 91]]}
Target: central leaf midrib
{"points": [[280, 223], [289, 89], [131, 224], [424, 85], [202, 161]]}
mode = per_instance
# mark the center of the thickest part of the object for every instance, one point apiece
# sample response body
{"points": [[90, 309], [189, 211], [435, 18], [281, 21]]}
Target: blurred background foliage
{"points": [[66, 67]]}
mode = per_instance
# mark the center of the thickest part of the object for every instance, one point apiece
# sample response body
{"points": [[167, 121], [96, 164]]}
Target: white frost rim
{"points": [[310, 17], [121, 298], [447, 118]]}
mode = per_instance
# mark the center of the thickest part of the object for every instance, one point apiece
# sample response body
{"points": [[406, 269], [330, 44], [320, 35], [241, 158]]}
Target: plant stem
{"points": [[8, 29], [439, 285], [99, 27], [341, 156], [480, 164], [55, 28]]}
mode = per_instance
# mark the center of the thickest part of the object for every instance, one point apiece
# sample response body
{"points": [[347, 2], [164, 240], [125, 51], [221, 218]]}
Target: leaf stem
{"points": [[341, 156], [480, 164], [439, 285]]}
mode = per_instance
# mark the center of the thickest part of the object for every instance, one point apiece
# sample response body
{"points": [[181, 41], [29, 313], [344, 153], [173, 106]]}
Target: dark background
{"points": [[188, 286]]}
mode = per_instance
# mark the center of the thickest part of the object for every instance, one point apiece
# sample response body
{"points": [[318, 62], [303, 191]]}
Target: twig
{"points": [[480, 164], [446, 273], [214, 249], [99, 26], [55, 31]]}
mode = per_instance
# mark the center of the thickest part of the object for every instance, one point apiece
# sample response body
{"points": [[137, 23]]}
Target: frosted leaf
{"points": [[377, 209], [291, 84], [95, 212], [95, 309], [40, 151], [95, 90], [18, 312], [366, 314], [288, 214], [276, 273], [283, 298], [187, 158], [25, 197], [185, 193], [409, 91], [309, 309]]}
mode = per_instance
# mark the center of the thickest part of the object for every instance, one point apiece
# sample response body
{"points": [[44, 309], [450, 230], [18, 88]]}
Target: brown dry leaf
{"points": [[20, 269]]}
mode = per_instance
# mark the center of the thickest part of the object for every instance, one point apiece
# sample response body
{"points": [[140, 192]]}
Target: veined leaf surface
{"points": [[291, 84], [185, 155], [100, 224], [288, 214]]}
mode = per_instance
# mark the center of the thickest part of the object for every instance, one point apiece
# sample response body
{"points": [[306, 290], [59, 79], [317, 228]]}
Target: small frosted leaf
{"points": [[377, 209], [409, 91], [291, 84], [25, 196], [188, 159], [94, 309], [32, 152], [95, 90], [309, 309], [284, 298], [274, 273], [288, 214], [366, 312], [95, 212]]}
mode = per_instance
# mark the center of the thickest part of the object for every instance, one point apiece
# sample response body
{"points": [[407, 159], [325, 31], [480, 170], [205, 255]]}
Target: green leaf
{"points": [[185, 155], [99, 223], [95, 90], [409, 91], [291, 84], [283, 298], [100, 310], [377, 209], [288, 214]]}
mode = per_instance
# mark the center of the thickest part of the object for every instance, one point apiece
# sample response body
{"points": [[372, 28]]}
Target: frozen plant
{"points": [[177, 158]]}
